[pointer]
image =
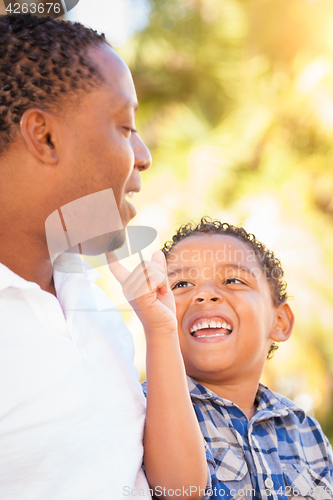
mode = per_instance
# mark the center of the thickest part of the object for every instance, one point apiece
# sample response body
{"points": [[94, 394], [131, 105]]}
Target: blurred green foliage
{"points": [[236, 105]]}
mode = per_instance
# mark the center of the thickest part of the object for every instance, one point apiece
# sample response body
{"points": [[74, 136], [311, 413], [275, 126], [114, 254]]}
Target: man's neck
{"points": [[25, 198], [27, 259]]}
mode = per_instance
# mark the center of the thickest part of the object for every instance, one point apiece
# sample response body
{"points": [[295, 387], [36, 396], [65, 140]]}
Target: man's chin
{"points": [[101, 244], [117, 241]]}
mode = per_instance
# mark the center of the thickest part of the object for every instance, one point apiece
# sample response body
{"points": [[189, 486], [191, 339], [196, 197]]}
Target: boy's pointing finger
{"points": [[118, 270], [159, 258]]}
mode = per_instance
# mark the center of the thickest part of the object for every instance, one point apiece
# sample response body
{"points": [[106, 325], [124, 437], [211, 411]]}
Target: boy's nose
{"points": [[208, 296]]}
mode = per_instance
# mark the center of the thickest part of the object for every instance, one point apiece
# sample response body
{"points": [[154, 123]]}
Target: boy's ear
{"points": [[37, 128], [284, 322]]}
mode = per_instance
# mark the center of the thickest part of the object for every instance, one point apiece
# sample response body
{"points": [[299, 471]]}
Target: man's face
{"points": [[224, 308], [102, 148]]}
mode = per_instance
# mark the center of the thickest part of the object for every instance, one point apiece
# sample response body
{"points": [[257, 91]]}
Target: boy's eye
{"points": [[181, 284], [233, 281]]}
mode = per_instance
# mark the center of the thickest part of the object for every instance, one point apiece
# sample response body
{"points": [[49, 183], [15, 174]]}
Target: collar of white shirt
{"points": [[69, 267]]}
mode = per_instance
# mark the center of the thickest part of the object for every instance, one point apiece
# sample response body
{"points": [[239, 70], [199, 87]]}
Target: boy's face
{"points": [[225, 309]]}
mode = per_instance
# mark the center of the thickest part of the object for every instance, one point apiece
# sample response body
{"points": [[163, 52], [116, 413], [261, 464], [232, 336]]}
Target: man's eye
{"points": [[233, 281], [181, 284], [130, 130]]}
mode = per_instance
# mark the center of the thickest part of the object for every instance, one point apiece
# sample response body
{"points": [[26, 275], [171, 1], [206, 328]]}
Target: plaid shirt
{"points": [[279, 454]]}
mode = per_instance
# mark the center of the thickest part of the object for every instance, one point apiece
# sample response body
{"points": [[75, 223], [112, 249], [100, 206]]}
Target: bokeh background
{"points": [[236, 105]]}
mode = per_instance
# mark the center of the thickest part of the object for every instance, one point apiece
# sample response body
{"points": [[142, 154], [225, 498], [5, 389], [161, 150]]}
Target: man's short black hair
{"points": [[43, 63], [270, 264]]}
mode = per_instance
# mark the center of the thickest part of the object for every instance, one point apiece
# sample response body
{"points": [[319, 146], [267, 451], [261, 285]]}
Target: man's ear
{"points": [[37, 128], [283, 324]]}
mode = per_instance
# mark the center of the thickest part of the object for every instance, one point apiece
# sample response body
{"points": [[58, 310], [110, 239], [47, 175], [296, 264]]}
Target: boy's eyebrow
{"points": [[233, 266], [241, 268], [177, 271]]}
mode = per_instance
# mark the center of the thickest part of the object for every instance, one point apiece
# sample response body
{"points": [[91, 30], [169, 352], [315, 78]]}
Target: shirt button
{"points": [[269, 483]]}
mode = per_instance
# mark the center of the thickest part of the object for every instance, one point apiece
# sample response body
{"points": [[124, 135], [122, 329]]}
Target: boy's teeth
{"points": [[213, 335], [210, 323]]}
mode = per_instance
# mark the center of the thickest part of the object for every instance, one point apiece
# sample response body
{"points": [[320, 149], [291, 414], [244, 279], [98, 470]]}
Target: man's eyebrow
{"points": [[127, 105], [131, 105]]}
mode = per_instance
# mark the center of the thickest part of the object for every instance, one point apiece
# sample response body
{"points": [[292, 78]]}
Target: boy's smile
{"points": [[210, 327], [226, 316]]}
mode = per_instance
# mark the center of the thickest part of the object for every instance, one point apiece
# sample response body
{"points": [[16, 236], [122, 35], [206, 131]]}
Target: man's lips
{"points": [[131, 190], [129, 195], [210, 325]]}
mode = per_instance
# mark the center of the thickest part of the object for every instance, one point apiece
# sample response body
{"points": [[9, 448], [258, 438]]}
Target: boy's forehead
{"points": [[211, 248]]}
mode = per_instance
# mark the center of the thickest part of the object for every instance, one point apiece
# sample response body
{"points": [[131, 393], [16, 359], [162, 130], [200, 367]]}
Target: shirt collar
{"points": [[73, 277], [9, 279], [70, 266], [269, 403]]}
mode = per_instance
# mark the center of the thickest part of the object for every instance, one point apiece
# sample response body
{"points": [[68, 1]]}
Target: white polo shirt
{"points": [[71, 406]]}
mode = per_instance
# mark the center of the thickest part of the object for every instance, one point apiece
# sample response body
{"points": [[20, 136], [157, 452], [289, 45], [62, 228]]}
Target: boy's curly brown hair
{"points": [[270, 264]]}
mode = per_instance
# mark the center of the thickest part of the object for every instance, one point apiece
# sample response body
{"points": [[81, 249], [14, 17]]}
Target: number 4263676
{"points": [[33, 8]]}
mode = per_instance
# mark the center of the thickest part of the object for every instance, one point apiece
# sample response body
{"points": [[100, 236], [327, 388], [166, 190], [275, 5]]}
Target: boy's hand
{"points": [[148, 291]]}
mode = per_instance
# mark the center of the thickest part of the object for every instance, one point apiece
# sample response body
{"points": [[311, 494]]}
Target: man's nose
{"points": [[142, 156]]}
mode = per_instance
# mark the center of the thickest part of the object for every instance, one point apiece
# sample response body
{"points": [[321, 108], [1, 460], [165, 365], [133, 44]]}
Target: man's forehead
{"points": [[119, 104], [116, 75], [106, 57]]}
